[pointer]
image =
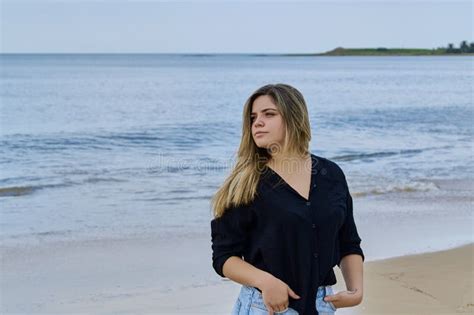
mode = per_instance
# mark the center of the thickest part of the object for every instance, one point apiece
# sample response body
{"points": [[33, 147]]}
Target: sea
{"points": [[104, 146]]}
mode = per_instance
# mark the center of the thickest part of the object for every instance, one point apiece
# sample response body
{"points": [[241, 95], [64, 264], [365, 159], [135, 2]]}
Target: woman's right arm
{"points": [[244, 273], [229, 235]]}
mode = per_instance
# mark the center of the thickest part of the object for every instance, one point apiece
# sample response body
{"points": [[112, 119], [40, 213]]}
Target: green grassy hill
{"points": [[387, 52]]}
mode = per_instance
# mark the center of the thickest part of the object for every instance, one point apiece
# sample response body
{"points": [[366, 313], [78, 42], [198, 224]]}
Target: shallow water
{"points": [[96, 146]]}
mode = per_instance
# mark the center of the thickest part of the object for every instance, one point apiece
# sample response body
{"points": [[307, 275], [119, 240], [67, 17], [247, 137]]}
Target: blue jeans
{"points": [[250, 302]]}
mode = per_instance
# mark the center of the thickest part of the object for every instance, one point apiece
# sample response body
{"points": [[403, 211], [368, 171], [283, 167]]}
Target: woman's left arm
{"points": [[351, 259], [352, 271]]}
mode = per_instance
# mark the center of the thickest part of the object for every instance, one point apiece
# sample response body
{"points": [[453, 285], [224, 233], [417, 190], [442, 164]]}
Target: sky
{"points": [[118, 26]]}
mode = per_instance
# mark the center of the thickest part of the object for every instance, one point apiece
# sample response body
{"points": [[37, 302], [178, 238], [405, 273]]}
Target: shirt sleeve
{"points": [[349, 240], [229, 234]]}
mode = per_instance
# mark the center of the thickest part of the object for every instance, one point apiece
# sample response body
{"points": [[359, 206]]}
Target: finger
{"points": [[330, 298], [281, 308], [270, 309], [293, 294], [284, 309], [278, 308]]}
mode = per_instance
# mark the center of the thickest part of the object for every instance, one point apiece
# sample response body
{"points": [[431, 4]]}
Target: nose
{"points": [[258, 122]]}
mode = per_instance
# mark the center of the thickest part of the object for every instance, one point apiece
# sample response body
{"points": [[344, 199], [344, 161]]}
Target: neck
{"points": [[289, 163]]}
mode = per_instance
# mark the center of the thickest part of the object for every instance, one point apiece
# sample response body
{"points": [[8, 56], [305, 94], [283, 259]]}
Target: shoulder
{"points": [[236, 211], [329, 168]]}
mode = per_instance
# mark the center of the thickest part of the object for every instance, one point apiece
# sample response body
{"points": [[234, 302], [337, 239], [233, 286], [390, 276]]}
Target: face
{"points": [[267, 121]]}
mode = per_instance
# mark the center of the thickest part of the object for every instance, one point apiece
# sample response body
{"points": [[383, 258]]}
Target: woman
{"points": [[287, 213]]}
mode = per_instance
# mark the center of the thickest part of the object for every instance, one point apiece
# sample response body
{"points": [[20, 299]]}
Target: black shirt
{"points": [[296, 240]]}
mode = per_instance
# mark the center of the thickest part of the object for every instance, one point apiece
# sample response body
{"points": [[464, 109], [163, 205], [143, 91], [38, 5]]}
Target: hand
{"points": [[345, 298], [275, 294]]}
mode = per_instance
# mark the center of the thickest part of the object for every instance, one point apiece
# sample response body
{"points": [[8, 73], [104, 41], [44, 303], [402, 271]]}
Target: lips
{"points": [[260, 133]]}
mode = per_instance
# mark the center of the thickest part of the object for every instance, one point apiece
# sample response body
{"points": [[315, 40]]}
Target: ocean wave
{"points": [[398, 188], [16, 191], [363, 156], [174, 199], [102, 179], [163, 137], [51, 234]]}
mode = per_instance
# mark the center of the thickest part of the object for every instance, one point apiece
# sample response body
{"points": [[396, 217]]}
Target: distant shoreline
{"points": [[386, 52], [374, 55]]}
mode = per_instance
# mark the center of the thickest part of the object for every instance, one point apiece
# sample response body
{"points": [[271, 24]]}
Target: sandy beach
{"points": [[138, 277], [431, 283], [419, 260]]}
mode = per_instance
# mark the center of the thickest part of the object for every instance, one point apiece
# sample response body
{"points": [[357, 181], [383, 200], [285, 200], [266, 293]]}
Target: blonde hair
{"points": [[240, 187]]}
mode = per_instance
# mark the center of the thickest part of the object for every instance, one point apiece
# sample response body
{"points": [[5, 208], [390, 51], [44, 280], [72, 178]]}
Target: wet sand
{"points": [[172, 273], [119, 277], [431, 283]]}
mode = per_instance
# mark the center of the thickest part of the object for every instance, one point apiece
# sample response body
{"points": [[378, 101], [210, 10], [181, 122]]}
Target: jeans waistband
{"points": [[251, 290]]}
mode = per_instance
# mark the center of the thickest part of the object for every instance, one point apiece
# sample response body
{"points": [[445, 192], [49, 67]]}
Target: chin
{"points": [[262, 145]]}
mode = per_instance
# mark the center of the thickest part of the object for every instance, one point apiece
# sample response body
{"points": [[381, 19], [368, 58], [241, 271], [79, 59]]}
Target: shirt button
{"points": [[308, 203], [313, 226], [315, 255]]}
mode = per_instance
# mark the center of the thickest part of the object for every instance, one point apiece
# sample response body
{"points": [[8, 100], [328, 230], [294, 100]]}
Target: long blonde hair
{"points": [[240, 187]]}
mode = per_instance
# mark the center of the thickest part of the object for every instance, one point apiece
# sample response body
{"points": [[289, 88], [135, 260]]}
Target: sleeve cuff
{"points": [[218, 264]]}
